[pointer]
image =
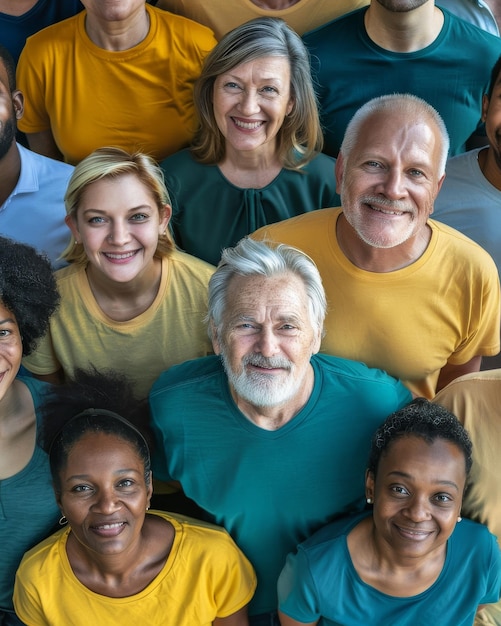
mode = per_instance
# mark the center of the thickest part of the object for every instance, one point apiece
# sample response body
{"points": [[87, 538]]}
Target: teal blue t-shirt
{"points": [[270, 489], [452, 74], [319, 582], [210, 213], [28, 509]]}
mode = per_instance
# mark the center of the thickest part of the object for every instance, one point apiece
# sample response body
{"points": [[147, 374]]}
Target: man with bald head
{"points": [[406, 294]]}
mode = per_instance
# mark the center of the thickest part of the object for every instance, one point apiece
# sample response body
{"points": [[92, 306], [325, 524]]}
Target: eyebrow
{"points": [[448, 483], [8, 320], [131, 210], [87, 477]]}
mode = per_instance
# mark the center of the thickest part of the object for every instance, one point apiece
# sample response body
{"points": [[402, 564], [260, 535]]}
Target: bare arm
{"points": [[44, 143], [239, 618], [450, 372], [288, 621]]}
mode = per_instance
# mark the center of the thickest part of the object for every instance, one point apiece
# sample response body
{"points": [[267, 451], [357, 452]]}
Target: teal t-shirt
{"points": [[28, 509], [270, 489], [452, 74], [210, 213], [320, 583]]}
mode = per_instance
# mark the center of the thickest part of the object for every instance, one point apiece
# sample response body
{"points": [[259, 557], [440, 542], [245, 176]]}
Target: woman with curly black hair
{"points": [[28, 510]]}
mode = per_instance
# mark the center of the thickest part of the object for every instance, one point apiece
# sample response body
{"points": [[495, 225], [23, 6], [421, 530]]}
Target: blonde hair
{"points": [[112, 163]]}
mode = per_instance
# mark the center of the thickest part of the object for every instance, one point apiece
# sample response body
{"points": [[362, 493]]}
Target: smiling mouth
{"points": [[120, 257], [384, 211], [247, 125], [108, 530], [413, 533]]}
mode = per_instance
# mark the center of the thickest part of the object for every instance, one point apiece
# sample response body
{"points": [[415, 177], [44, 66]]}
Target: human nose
{"points": [[418, 509], [267, 344], [106, 501], [393, 185], [119, 233], [249, 104]]}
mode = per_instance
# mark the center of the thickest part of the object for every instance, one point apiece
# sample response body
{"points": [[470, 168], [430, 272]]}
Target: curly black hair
{"points": [[27, 289], [419, 418], [93, 401], [10, 67]]}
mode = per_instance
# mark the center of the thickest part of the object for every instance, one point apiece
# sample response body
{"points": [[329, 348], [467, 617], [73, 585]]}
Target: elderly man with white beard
{"points": [[267, 436]]}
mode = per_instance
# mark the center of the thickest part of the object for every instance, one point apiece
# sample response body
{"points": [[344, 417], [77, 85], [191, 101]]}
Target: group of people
{"points": [[252, 315]]}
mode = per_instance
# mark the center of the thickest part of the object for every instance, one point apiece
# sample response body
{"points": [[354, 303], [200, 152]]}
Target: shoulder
{"points": [[336, 369], [332, 532], [189, 265], [450, 242], [69, 273], [314, 220], [37, 562], [44, 165], [55, 36], [465, 31], [188, 374], [179, 159], [340, 24], [182, 27]]}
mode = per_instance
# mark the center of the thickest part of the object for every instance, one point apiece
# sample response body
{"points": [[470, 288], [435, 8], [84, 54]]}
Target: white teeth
{"points": [[247, 125], [126, 255], [110, 526]]}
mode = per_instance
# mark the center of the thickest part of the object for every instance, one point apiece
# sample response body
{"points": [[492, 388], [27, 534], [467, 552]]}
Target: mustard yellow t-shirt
{"points": [[443, 308], [136, 99], [205, 576], [475, 399], [170, 331]]}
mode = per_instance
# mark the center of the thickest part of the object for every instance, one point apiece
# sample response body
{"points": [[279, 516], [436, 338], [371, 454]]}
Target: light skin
{"points": [[250, 105], [403, 25], [114, 548], [388, 184], [113, 25], [118, 223], [269, 317], [16, 7], [417, 497]]}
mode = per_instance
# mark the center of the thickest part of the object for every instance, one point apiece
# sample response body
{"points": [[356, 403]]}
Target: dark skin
{"points": [[11, 108]]}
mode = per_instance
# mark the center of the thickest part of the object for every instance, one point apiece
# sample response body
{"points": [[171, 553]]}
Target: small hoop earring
{"points": [[62, 521]]}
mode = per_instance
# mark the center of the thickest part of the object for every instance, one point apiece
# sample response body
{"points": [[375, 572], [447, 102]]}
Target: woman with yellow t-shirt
{"points": [[114, 562], [129, 300]]}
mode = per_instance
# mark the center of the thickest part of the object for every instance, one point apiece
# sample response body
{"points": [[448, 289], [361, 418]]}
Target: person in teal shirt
{"points": [[412, 561], [256, 157], [269, 437], [379, 50]]}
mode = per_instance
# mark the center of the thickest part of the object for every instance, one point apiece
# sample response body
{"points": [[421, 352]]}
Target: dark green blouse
{"points": [[210, 213]]}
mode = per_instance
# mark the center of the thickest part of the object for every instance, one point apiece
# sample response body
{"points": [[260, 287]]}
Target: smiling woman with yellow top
{"points": [[116, 562], [409, 562]]}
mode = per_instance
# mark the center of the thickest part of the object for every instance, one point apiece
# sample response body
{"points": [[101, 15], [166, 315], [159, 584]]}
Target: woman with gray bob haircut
{"points": [[261, 258], [256, 155]]}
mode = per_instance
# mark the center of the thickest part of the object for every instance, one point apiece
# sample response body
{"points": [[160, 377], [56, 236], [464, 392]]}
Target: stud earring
{"points": [[459, 518], [369, 500]]}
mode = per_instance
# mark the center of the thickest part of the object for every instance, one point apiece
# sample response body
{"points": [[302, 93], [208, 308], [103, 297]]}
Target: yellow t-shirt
{"points": [[170, 331], [205, 576], [475, 399], [136, 99], [443, 308], [224, 15]]}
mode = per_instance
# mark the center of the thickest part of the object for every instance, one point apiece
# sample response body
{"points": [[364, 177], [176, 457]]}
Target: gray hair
{"points": [[300, 136], [261, 258], [415, 108]]}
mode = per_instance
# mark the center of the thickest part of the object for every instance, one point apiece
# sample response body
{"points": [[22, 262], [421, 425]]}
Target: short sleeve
{"points": [[297, 594]]}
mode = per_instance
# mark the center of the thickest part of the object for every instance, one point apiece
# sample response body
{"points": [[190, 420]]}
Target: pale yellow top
{"points": [[222, 16], [170, 331], [476, 400]]}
